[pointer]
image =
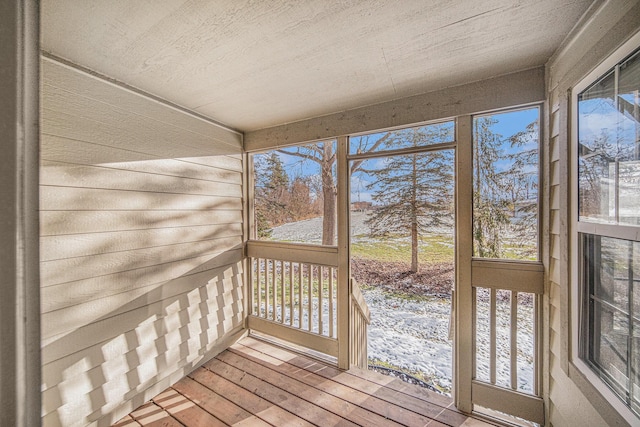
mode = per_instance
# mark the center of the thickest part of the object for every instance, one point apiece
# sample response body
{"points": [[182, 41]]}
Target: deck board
{"points": [[257, 383], [312, 413], [315, 396], [392, 414], [185, 410], [431, 405], [250, 402], [152, 415]]}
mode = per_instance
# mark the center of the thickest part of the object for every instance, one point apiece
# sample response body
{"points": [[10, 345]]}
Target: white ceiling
{"points": [[254, 63]]}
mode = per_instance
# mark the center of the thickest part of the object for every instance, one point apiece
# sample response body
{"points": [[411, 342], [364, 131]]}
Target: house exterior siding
{"points": [[141, 245], [571, 399]]}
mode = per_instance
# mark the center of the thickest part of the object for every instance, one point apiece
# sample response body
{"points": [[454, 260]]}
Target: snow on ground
{"points": [[411, 334], [414, 334], [310, 230], [307, 231]]}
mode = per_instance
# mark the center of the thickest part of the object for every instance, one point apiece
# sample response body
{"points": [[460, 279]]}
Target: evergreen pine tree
{"points": [[413, 192], [505, 188], [271, 193], [490, 190]]}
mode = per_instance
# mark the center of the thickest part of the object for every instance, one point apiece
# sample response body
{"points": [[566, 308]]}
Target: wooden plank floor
{"points": [[254, 383]]}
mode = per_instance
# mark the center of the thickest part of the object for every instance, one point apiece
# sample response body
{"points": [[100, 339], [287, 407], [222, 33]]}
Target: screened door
{"points": [[499, 273]]}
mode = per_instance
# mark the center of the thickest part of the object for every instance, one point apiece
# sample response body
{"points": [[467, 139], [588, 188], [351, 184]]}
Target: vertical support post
{"points": [[19, 255], [463, 340], [344, 272], [249, 232]]}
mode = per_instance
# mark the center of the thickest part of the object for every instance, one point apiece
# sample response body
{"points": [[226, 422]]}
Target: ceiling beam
{"points": [[509, 90]]}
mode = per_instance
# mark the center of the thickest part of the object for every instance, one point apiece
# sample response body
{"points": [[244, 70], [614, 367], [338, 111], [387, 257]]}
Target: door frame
{"points": [[344, 227], [496, 274]]}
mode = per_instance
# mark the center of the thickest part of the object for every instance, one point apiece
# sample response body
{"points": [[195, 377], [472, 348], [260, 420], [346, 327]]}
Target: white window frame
{"points": [[617, 231]]}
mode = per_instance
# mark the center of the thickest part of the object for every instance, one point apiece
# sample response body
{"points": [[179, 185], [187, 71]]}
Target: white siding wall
{"points": [[141, 245], [572, 401]]}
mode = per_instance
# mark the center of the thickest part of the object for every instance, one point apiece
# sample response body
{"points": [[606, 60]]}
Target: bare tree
{"points": [[324, 155]]}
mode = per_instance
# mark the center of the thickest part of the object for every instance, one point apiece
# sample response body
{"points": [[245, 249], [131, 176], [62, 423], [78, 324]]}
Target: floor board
{"points": [[254, 383]]}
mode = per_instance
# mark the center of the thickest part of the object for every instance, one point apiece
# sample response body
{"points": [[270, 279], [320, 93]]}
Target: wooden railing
{"points": [[293, 294], [360, 319], [506, 323]]}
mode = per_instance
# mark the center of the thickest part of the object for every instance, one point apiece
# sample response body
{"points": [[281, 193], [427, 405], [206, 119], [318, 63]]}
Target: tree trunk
{"points": [[329, 195], [414, 247], [414, 218]]}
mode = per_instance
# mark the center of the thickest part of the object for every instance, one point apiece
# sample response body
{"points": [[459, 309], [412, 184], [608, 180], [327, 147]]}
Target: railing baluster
{"points": [[514, 340], [263, 290], [362, 327], [256, 286], [358, 334], [474, 328], [267, 263], [309, 296], [537, 343], [320, 287], [291, 294], [282, 292], [354, 335], [299, 295], [492, 337], [274, 275], [330, 302]]}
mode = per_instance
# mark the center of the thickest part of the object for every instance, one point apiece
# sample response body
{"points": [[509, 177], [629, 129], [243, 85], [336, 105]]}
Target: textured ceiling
{"points": [[252, 64]]}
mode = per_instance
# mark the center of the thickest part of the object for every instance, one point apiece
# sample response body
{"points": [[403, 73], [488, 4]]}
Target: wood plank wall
{"points": [[572, 401], [141, 245]]}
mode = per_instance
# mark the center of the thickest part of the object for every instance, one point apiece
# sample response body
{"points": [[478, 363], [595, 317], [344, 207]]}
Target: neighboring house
{"points": [[126, 233], [361, 206]]}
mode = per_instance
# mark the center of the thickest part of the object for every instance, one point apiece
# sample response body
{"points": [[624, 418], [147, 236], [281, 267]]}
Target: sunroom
{"points": [[140, 268]]}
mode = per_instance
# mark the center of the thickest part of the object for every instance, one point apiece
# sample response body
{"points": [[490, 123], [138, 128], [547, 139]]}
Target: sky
{"points": [[508, 123], [599, 115]]}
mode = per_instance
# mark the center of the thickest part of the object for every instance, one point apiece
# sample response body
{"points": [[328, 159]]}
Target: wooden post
{"points": [[249, 232], [19, 255], [344, 272], [463, 341]]}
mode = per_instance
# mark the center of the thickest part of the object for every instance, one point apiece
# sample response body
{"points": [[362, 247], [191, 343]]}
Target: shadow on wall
{"points": [[141, 245], [151, 341], [141, 279]]}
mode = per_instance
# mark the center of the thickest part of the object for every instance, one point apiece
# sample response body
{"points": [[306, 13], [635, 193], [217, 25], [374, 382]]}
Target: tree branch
{"points": [[355, 166], [298, 153]]}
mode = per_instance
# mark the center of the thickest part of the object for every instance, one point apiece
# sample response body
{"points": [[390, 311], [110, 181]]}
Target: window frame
{"points": [[540, 181], [251, 180], [619, 231]]}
